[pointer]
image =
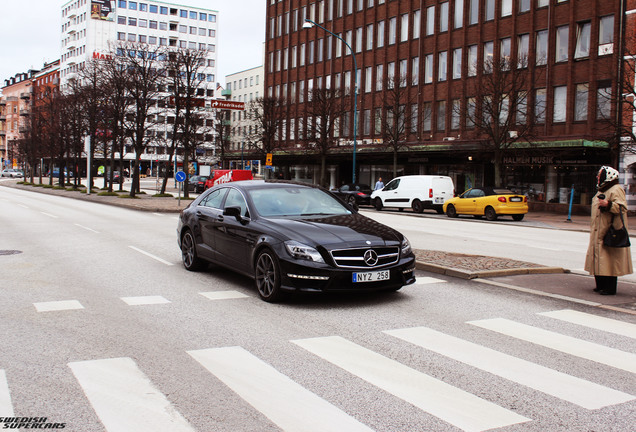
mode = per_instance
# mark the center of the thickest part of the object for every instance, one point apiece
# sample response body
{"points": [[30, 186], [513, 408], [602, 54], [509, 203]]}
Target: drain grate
{"points": [[10, 252]]}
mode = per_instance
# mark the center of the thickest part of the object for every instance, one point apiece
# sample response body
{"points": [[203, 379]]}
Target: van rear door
{"points": [[443, 189]]}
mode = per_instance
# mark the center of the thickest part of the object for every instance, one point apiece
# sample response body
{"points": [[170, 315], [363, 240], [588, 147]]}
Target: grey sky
{"points": [[30, 34]]}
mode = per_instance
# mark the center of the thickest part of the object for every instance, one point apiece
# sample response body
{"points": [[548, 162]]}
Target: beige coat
{"points": [[602, 260]]}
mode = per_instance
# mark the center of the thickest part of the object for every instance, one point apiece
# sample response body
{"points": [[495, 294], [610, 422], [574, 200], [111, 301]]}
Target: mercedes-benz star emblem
{"points": [[370, 258]]}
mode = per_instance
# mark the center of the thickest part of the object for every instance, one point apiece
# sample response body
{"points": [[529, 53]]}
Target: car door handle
{"points": [[201, 215], [219, 218]]}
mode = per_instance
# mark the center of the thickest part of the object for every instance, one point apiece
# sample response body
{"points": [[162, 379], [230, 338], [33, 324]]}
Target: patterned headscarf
{"points": [[606, 175]]}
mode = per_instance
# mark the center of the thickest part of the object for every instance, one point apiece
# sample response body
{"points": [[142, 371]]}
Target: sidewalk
{"points": [[501, 272]]}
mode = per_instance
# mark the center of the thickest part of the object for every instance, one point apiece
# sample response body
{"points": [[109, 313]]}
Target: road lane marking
{"points": [[6, 408], [427, 280], [125, 399], [536, 292], [567, 344], [593, 321], [575, 390], [58, 305], [145, 300], [151, 256], [24, 206], [49, 215], [223, 295], [453, 405], [86, 228], [286, 403]]}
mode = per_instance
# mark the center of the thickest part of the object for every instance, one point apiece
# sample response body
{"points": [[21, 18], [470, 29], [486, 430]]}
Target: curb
{"points": [[467, 274]]}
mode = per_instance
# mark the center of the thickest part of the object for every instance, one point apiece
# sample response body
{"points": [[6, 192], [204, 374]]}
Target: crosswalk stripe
{"points": [[453, 405], [594, 321], [428, 280], [61, 305], [284, 402], [576, 390], [6, 408], [223, 295], [567, 344], [145, 300], [125, 399]]}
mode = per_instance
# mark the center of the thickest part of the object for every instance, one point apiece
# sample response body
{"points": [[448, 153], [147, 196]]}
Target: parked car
{"points": [[197, 183], [289, 236], [221, 176], [418, 192], [118, 177], [354, 193], [13, 173], [488, 201]]}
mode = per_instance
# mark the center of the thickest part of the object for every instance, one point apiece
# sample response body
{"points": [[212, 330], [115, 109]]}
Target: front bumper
{"points": [[308, 276]]}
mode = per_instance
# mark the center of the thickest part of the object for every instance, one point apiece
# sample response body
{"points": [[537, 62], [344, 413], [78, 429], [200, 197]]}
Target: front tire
{"points": [[517, 217], [352, 201], [191, 260], [491, 214], [378, 204], [451, 212], [267, 276], [417, 206]]}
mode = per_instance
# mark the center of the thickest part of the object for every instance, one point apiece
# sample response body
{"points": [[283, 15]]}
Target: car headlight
{"points": [[406, 247], [302, 251]]}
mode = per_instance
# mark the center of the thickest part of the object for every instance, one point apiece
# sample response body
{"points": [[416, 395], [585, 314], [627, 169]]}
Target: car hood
{"points": [[354, 230]]}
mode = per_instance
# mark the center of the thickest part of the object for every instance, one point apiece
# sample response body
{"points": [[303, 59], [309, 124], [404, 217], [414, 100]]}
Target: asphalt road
{"points": [[103, 330]]}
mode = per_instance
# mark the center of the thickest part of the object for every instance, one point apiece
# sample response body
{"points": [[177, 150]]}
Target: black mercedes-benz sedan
{"points": [[292, 237]]}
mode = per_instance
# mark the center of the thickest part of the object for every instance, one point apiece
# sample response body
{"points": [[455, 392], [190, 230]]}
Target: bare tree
{"points": [[398, 116], [323, 112], [221, 127], [145, 71], [497, 111], [265, 116]]}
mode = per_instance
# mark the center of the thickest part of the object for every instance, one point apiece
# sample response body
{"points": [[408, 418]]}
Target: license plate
{"points": [[439, 200], [515, 199], [371, 276]]}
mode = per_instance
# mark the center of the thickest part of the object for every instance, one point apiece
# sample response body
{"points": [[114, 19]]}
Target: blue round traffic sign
{"points": [[180, 176]]}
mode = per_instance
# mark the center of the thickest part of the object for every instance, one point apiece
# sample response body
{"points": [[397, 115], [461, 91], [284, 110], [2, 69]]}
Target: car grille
{"points": [[355, 258]]}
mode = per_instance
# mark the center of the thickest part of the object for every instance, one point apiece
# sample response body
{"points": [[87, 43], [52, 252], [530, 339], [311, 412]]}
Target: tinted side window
{"points": [[235, 198], [215, 199], [393, 184]]}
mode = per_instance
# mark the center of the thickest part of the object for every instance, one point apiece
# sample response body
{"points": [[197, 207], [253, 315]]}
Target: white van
{"points": [[418, 192]]}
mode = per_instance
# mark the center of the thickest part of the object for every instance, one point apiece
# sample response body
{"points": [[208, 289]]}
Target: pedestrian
{"points": [[379, 184], [604, 262]]}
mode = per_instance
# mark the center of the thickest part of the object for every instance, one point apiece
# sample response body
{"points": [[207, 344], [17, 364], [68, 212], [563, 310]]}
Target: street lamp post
{"points": [[309, 24]]}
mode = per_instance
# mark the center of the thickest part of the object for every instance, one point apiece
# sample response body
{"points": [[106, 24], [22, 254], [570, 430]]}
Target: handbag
{"points": [[618, 238]]}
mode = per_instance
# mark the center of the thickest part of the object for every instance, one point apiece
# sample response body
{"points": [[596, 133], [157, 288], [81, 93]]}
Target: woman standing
{"points": [[607, 263]]}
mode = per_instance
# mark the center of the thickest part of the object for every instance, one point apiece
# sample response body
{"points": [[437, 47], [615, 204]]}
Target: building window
{"points": [[606, 35], [603, 101], [132, 5], [430, 20], [560, 99], [183, 13], [380, 42], [427, 113], [390, 75], [368, 75], [163, 10], [488, 57], [471, 104], [121, 20], [415, 71], [416, 24], [392, 30], [379, 71], [504, 53], [583, 32], [490, 10], [455, 112], [542, 47], [404, 28], [153, 8], [428, 69], [523, 43], [369, 45], [539, 105], [472, 60], [474, 12], [522, 107], [359, 39], [403, 72], [132, 21], [442, 66], [506, 8], [443, 17], [542, 3], [562, 34], [441, 115], [413, 118], [580, 102], [458, 22], [524, 6], [457, 63]]}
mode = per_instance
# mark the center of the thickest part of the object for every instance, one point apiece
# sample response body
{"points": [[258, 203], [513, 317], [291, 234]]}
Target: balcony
{"points": [[3, 102], [26, 95], [226, 92], [2, 133], [24, 112], [3, 118], [23, 129]]}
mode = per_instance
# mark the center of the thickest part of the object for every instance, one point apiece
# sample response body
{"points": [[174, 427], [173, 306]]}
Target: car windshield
{"points": [[295, 201]]}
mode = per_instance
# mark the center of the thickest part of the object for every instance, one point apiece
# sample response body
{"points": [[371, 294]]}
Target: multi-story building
{"points": [[91, 29], [569, 51], [245, 86], [16, 108]]}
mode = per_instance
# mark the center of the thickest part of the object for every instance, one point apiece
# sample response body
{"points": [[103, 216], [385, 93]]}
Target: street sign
{"points": [[223, 104], [180, 176], [268, 159]]}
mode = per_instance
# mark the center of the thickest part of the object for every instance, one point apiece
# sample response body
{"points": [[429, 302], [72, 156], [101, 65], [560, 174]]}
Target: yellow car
{"points": [[488, 201]]}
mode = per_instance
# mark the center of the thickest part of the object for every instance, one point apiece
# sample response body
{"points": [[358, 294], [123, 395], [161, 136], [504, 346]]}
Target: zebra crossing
{"points": [[124, 398]]}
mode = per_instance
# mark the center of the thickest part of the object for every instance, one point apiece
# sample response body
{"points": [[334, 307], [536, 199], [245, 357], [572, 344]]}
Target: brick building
{"points": [[564, 120]]}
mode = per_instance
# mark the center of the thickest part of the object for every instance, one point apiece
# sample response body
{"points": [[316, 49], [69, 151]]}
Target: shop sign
{"points": [[102, 10], [528, 160]]}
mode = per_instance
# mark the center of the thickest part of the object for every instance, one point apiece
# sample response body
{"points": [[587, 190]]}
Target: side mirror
{"points": [[233, 211]]}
